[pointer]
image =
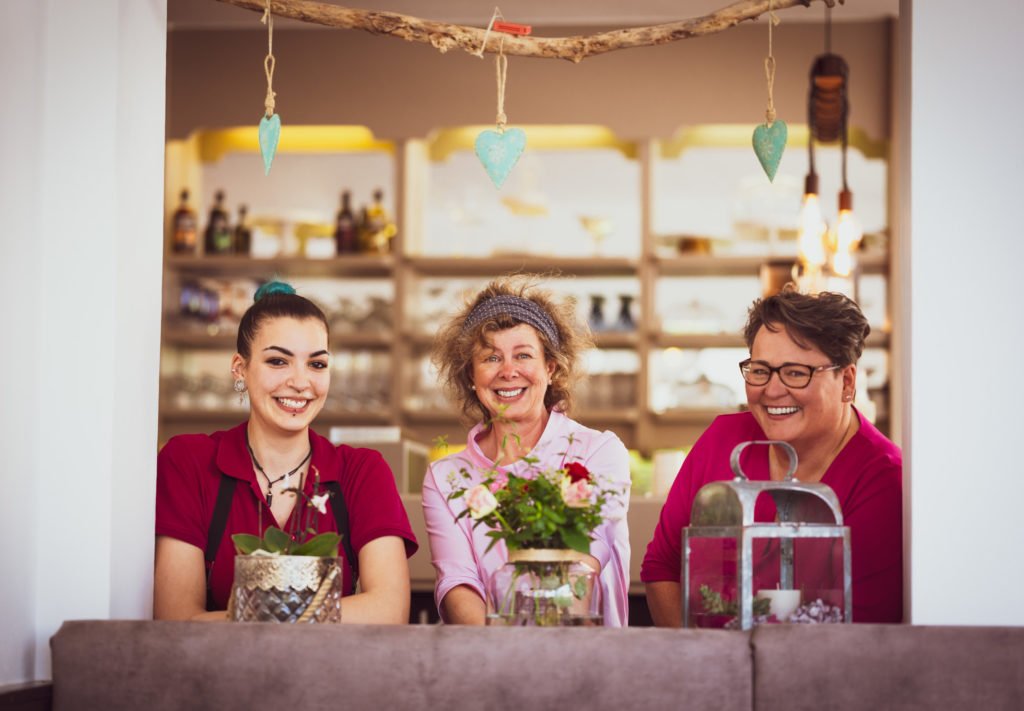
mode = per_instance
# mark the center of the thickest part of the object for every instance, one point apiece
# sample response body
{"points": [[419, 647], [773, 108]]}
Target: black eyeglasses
{"points": [[792, 375]]}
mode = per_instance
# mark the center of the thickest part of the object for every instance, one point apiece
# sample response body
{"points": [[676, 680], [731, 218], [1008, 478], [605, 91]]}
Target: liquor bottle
{"points": [[346, 230], [243, 235], [217, 238], [183, 228], [377, 227]]}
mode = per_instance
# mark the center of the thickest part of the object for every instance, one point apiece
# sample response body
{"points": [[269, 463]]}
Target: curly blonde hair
{"points": [[452, 353]]}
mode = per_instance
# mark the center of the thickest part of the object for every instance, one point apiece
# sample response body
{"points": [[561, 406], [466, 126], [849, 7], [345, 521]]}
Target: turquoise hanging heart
{"points": [[769, 142], [500, 151], [270, 132]]}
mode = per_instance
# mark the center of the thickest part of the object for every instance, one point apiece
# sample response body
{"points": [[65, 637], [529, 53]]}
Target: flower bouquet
{"points": [[292, 576], [546, 519]]}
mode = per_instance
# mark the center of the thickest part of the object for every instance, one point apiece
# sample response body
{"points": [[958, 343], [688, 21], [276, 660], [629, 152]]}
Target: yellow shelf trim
{"points": [[443, 142], [214, 144]]}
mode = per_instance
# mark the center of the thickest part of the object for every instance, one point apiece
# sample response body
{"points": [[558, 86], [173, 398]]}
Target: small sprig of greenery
{"points": [[302, 538], [715, 604]]}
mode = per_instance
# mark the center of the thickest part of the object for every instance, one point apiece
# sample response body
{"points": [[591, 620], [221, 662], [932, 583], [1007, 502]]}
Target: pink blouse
{"points": [[457, 549]]}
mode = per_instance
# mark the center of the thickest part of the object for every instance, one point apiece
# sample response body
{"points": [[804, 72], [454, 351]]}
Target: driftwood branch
{"points": [[443, 36]]}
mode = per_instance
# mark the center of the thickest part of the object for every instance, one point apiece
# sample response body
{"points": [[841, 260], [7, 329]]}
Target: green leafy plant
{"points": [[302, 538], [715, 604], [557, 508]]}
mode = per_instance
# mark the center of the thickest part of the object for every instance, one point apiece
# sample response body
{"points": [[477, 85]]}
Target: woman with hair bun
{"points": [[283, 363]]}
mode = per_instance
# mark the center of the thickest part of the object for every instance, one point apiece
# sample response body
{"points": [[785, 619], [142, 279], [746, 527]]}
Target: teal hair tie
{"points": [[273, 287]]}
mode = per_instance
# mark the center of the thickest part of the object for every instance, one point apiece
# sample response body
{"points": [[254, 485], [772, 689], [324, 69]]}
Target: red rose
{"points": [[577, 472]]}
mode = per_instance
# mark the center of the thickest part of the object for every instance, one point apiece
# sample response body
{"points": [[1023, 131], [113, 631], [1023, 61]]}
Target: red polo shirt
{"points": [[189, 469]]}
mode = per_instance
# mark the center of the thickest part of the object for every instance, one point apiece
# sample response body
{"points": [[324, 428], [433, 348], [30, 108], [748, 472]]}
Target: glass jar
{"points": [[542, 587]]}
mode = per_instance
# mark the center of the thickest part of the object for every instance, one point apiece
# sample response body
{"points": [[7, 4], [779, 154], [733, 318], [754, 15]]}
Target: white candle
{"points": [[783, 602]]}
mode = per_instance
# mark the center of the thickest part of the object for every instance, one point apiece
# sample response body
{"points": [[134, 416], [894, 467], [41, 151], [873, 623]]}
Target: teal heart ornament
{"points": [[499, 151], [769, 142], [270, 132]]}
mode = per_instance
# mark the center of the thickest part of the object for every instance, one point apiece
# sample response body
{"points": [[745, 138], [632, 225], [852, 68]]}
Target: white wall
{"points": [[965, 151], [82, 176]]}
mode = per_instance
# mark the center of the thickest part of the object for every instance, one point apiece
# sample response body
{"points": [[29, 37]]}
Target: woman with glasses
{"points": [[801, 378]]}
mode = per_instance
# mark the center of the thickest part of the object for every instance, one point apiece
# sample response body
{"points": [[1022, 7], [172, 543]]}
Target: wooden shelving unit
{"points": [[638, 425]]}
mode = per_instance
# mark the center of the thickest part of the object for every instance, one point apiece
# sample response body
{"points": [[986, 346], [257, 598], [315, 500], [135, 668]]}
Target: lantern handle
{"points": [[734, 458]]}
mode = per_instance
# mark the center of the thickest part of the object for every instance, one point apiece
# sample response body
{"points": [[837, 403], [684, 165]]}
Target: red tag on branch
{"points": [[511, 28]]}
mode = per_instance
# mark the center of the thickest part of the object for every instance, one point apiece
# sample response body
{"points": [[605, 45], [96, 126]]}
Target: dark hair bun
{"points": [[273, 287]]}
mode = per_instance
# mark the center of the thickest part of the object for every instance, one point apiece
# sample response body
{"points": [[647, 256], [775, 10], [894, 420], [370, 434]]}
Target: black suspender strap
{"points": [[341, 518], [216, 530]]}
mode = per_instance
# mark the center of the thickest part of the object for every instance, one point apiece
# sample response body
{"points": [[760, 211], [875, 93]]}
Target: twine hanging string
{"points": [[496, 15], [769, 66], [268, 63], [500, 66]]}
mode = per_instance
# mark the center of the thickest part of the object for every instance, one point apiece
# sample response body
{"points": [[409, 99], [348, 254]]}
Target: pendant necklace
{"points": [[271, 482]]}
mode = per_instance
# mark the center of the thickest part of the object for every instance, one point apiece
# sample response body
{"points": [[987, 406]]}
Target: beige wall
{"points": [[401, 89]]}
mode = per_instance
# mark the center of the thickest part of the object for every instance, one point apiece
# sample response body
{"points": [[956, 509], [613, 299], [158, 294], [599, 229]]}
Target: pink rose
{"points": [[577, 494], [499, 482], [480, 501]]}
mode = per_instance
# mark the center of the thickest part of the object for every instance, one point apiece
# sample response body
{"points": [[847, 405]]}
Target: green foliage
{"points": [[532, 511], [715, 604], [303, 540]]}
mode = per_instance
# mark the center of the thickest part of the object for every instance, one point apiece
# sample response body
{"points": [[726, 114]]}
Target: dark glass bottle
{"points": [[625, 320], [217, 239], [243, 235], [596, 317], [184, 231], [346, 229]]}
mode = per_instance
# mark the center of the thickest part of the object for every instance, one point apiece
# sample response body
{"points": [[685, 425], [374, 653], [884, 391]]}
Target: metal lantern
{"points": [[738, 572]]}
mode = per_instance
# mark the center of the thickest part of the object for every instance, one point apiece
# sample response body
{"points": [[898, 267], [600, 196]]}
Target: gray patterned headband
{"points": [[517, 308]]}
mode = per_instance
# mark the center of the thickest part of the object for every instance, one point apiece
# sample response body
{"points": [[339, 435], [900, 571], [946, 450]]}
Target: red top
{"points": [[189, 471], [866, 476]]}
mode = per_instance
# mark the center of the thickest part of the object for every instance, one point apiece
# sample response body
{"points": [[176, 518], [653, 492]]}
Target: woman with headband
{"points": [[509, 359], [283, 366]]}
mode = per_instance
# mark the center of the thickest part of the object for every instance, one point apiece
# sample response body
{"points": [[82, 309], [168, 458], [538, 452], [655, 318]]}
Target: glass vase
{"points": [[541, 587], [286, 588]]}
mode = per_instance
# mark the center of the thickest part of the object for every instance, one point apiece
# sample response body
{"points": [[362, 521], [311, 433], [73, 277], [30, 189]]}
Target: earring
{"points": [[472, 387], [847, 397], [240, 389]]}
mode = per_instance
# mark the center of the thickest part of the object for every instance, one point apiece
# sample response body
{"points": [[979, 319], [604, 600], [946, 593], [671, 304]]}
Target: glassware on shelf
{"points": [[360, 382], [611, 382], [184, 229], [217, 237], [596, 317], [625, 321], [598, 228], [695, 379]]}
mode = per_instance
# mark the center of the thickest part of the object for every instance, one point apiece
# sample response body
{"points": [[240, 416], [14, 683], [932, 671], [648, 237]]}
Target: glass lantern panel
{"points": [[811, 591]]}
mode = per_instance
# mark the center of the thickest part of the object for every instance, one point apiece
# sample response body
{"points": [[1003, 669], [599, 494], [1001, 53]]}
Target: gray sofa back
{"points": [[175, 665], [901, 667]]}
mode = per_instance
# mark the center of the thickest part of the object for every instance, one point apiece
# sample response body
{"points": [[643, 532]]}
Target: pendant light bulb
{"points": [[848, 234], [811, 229]]}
